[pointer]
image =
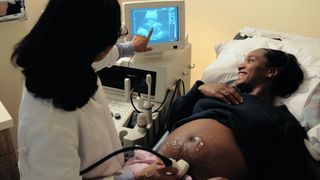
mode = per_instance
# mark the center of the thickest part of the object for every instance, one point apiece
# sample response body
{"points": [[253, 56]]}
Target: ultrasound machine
{"points": [[140, 89]]}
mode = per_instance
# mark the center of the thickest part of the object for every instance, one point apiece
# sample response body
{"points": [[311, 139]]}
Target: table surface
{"points": [[5, 118]]}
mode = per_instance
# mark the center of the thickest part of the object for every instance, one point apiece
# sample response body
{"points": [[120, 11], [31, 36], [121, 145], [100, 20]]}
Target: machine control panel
{"points": [[121, 111]]}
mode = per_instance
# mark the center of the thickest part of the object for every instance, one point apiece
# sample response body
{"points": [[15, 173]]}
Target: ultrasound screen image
{"points": [[163, 20]]}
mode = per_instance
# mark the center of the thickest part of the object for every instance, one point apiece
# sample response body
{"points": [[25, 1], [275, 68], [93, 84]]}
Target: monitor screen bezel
{"points": [[164, 46]]}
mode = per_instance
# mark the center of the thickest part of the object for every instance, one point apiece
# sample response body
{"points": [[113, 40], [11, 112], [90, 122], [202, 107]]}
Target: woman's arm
{"points": [[223, 92]]}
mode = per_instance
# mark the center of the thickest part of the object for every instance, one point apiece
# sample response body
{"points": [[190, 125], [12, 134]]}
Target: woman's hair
{"points": [[57, 54], [290, 74]]}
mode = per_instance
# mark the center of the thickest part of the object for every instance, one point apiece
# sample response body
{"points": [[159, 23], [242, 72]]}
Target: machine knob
{"points": [[191, 66], [185, 73], [117, 116]]}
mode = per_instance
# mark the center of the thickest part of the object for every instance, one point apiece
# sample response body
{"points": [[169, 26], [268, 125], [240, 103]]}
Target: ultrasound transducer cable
{"points": [[181, 165], [165, 160]]}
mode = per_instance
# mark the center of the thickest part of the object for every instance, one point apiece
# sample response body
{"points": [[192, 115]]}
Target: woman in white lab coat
{"points": [[65, 124]]}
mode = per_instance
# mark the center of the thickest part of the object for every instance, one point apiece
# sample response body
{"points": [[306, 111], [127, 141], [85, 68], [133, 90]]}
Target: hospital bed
{"points": [[304, 103]]}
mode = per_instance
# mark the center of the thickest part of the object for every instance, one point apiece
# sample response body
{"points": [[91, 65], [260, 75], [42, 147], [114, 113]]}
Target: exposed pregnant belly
{"points": [[209, 147]]}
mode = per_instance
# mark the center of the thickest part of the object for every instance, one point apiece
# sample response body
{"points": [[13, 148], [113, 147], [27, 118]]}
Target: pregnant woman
{"points": [[237, 132]]}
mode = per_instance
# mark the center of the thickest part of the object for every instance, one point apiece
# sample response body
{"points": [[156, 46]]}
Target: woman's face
{"points": [[253, 71]]}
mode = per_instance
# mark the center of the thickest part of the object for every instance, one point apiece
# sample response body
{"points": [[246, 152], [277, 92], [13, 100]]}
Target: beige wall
{"points": [[207, 23], [10, 78]]}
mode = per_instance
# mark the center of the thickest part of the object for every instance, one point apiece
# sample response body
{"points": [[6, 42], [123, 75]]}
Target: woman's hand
{"points": [[157, 171], [140, 43], [223, 92]]}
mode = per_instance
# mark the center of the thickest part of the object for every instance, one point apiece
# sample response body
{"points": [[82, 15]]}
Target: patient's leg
{"points": [[209, 147]]}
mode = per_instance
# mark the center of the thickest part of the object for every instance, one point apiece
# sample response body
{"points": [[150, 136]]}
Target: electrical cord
{"points": [[178, 83], [134, 107], [130, 61], [175, 92], [184, 88], [167, 162], [162, 103]]}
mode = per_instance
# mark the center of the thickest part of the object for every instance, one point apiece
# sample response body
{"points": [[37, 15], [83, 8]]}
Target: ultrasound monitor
{"points": [[165, 17]]}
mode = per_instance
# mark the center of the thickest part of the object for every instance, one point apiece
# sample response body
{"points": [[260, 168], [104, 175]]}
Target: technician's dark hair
{"points": [[290, 74], [57, 54]]}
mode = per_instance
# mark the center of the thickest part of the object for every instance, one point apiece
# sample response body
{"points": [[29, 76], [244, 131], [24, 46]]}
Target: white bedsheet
{"points": [[313, 144]]}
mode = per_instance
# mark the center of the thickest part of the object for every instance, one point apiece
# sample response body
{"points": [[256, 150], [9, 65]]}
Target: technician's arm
{"points": [[116, 52], [127, 49]]}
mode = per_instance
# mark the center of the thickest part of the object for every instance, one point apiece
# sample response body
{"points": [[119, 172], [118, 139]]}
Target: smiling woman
{"points": [[12, 10], [237, 132]]}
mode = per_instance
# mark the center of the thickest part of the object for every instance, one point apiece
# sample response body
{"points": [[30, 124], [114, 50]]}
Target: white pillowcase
{"points": [[232, 53]]}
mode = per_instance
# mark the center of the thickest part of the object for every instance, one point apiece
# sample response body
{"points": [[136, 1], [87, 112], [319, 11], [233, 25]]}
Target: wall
{"points": [[10, 78], [208, 22]]}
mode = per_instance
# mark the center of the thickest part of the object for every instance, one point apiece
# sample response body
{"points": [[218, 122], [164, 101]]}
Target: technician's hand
{"points": [[218, 178], [223, 92], [157, 171], [3, 8], [140, 43]]}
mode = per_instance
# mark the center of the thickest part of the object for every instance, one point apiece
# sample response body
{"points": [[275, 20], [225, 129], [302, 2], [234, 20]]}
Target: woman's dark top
{"points": [[270, 137]]}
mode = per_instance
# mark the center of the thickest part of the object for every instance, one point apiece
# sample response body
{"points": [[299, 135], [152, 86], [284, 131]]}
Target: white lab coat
{"points": [[56, 144]]}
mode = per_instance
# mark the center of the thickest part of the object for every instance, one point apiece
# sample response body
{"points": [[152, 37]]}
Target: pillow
{"points": [[307, 53], [232, 53], [311, 112]]}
